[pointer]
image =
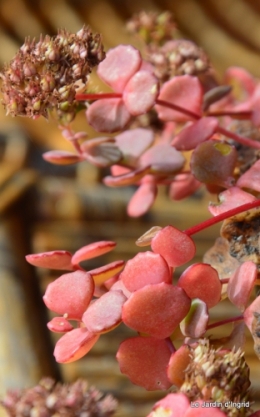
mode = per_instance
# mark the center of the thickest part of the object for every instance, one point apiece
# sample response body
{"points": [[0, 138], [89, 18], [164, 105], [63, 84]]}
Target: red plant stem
{"points": [[244, 115], [240, 139], [225, 321], [220, 217]]}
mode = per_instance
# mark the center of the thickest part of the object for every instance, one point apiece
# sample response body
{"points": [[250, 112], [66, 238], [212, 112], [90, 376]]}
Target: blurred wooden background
{"points": [[70, 207]]}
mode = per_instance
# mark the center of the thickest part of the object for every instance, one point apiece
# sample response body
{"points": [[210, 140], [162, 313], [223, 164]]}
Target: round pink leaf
{"points": [[126, 179], [142, 200], [145, 268], [61, 157], [108, 115], [120, 64], [132, 143], [74, 345], [251, 178], [195, 323], [120, 286], [240, 77], [178, 363], [59, 325], [229, 199], [173, 405], [144, 360], [241, 284], [176, 247], [102, 274], [156, 309], [184, 91], [140, 93], [101, 152], [201, 281], [92, 251], [162, 158], [196, 133], [252, 315], [204, 412], [58, 259], [70, 294], [183, 186], [105, 313]]}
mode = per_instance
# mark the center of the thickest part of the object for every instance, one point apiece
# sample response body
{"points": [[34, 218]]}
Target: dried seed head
{"points": [[41, 72], [218, 375]]}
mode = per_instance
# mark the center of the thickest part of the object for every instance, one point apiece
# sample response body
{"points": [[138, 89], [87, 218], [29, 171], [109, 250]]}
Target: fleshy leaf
{"points": [[108, 115], [70, 294], [175, 246], [195, 323], [144, 360], [162, 308], [173, 405], [105, 313], [140, 93], [142, 200], [132, 143], [59, 325], [198, 132], [61, 157], [145, 268], [103, 273], [241, 284], [58, 259], [201, 281], [183, 186], [231, 198], [101, 152], [177, 365], [126, 179], [184, 91], [120, 286], [74, 345], [162, 158], [146, 238], [92, 251], [251, 178], [213, 162], [120, 64], [243, 82]]}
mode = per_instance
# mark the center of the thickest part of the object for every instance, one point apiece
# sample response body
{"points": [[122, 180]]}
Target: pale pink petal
{"points": [[184, 91], [241, 284], [74, 345], [140, 93], [229, 199], [92, 251], [108, 115], [120, 64], [57, 259], [196, 133]]}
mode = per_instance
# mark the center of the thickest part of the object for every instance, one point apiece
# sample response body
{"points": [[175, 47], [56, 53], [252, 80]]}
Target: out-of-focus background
{"points": [[43, 207]]}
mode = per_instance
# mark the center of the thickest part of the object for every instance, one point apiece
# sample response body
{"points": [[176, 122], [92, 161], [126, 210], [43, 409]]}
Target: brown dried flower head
{"points": [[45, 74], [67, 400], [218, 375]]}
